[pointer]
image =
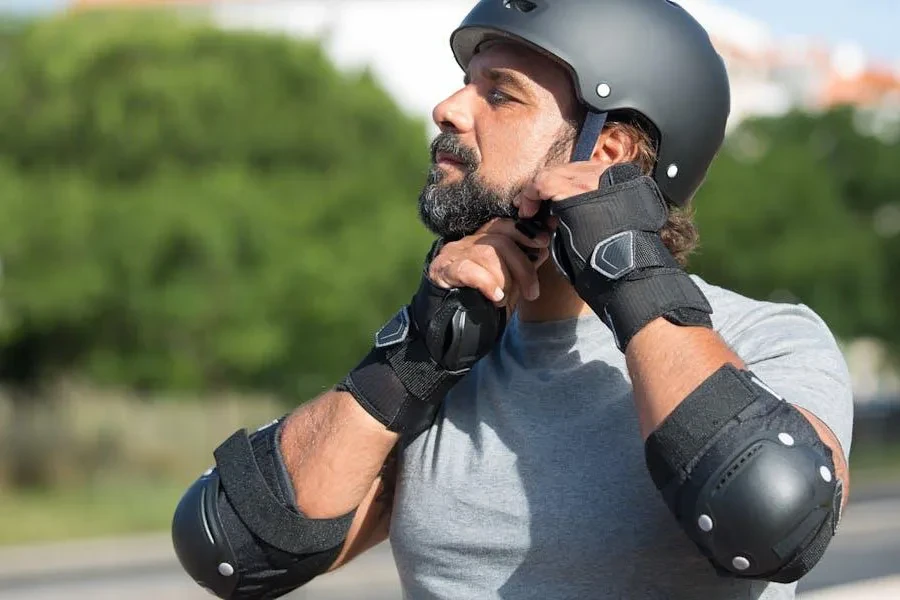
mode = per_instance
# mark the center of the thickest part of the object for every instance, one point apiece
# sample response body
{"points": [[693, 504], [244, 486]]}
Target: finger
{"points": [[440, 266], [546, 185], [512, 300], [540, 258], [529, 201], [468, 273], [520, 267], [485, 253]]}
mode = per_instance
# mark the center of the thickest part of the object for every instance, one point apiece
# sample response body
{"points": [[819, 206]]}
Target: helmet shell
{"points": [[647, 56]]}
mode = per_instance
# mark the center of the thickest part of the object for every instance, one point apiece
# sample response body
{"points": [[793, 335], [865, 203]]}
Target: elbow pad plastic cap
{"points": [[200, 544]]}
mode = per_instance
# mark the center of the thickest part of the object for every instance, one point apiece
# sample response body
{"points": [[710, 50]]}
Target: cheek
{"points": [[510, 159]]}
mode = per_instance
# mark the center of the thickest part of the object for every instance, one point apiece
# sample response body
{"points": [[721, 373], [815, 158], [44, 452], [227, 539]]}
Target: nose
{"points": [[453, 115]]}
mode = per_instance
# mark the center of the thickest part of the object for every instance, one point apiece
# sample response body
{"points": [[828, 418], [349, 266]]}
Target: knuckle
{"points": [[450, 247], [486, 251], [542, 179], [465, 268]]}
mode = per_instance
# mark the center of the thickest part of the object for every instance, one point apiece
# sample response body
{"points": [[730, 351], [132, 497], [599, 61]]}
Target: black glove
{"points": [[608, 246], [422, 352]]}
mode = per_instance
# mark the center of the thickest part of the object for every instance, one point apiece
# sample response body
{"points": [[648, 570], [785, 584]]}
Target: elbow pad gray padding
{"points": [[748, 478], [237, 530]]}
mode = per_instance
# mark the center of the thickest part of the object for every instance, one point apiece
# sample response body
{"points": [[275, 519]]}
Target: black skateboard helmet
{"points": [[648, 57]]}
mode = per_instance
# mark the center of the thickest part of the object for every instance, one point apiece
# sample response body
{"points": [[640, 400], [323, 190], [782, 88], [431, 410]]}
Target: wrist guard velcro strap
{"points": [[421, 353], [238, 532], [748, 478], [642, 296], [608, 246]]}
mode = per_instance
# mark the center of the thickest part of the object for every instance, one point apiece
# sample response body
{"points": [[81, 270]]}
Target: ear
{"points": [[615, 145]]}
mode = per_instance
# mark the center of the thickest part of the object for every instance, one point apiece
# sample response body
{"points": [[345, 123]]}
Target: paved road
{"points": [[867, 547]]}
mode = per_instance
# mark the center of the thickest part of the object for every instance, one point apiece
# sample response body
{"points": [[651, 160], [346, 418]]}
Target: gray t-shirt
{"points": [[532, 484]]}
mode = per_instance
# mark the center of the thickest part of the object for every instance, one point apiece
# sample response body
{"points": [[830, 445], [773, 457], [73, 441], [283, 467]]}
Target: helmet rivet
{"points": [[672, 171], [226, 570], [603, 90]]}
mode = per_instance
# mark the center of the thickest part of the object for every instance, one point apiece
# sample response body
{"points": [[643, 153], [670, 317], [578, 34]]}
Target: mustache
{"points": [[449, 143]]}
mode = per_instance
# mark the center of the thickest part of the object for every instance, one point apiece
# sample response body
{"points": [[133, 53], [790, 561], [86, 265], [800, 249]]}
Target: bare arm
{"points": [[372, 522], [667, 362], [340, 459], [333, 450]]}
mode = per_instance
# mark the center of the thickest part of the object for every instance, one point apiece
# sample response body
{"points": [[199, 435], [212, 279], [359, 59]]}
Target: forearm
{"points": [[667, 362], [333, 450]]}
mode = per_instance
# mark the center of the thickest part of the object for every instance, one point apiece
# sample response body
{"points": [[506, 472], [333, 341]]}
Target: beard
{"points": [[455, 210]]}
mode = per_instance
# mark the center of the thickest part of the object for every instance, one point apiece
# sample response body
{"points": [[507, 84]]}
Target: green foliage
{"points": [[186, 208], [790, 212]]}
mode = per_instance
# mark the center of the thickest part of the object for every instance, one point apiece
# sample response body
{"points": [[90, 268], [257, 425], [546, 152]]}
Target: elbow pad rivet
{"points": [[705, 523], [825, 473], [786, 439], [226, 570], [740, 563]]}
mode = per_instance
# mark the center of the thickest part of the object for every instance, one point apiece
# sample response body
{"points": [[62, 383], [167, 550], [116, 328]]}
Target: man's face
{"points": [[506, 124]]}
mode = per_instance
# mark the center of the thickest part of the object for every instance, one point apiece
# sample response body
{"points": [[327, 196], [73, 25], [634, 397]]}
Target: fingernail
{"points": [[534, 291], [498, 295]]}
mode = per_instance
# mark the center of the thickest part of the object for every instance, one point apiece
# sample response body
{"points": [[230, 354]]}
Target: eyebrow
{"points": [[504, 77]]}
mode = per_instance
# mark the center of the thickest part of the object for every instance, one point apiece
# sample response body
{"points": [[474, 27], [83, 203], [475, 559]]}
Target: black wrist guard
{"points": [[421, 353], [608, 246]]}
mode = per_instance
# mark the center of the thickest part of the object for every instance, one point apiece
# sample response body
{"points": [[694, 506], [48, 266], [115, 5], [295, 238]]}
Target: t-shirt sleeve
{"points": [[790, 348]]}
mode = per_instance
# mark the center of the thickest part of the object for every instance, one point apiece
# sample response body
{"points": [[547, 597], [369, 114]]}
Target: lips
{"points": [[447, 158]]}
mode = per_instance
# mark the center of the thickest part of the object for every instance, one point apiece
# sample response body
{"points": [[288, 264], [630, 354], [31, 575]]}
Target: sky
{"points": [[871, 23]]}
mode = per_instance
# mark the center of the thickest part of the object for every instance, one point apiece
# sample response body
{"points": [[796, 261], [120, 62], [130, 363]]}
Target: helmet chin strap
{"points": [[590, 133]]}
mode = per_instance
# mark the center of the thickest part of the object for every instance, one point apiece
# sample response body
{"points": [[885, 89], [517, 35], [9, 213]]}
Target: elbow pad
{"points": [[748, 478], [237, 531]]}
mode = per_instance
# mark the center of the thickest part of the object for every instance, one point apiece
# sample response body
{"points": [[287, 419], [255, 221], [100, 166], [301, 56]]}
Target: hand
{"points": [[493, 261], [559, 183]]}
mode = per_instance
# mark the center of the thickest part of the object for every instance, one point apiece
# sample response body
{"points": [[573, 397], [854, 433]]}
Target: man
{"points": [[595, 424]]}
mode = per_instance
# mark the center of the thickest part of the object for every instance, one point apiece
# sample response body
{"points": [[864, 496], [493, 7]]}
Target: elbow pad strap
{"points": [[266, 516], [237, 531]]}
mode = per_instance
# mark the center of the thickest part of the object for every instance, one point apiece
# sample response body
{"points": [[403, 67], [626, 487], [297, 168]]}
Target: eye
{"points": [[495, 97]]}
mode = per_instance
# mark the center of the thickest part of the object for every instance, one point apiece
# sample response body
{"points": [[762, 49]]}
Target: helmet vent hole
{"points": [[520, 5]]}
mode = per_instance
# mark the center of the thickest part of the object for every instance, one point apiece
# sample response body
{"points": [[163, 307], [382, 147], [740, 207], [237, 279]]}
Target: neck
{"points": [[558, 299]]}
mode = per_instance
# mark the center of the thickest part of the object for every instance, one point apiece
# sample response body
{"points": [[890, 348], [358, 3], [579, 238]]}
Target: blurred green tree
{"points": [[187, 208], [793, 210]]}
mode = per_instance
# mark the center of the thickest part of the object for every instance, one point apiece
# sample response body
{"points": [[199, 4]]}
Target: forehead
{"points": [[533, 68]]}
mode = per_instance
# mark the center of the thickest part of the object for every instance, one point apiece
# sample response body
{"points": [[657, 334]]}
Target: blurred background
{"points": [[193, 196]]}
